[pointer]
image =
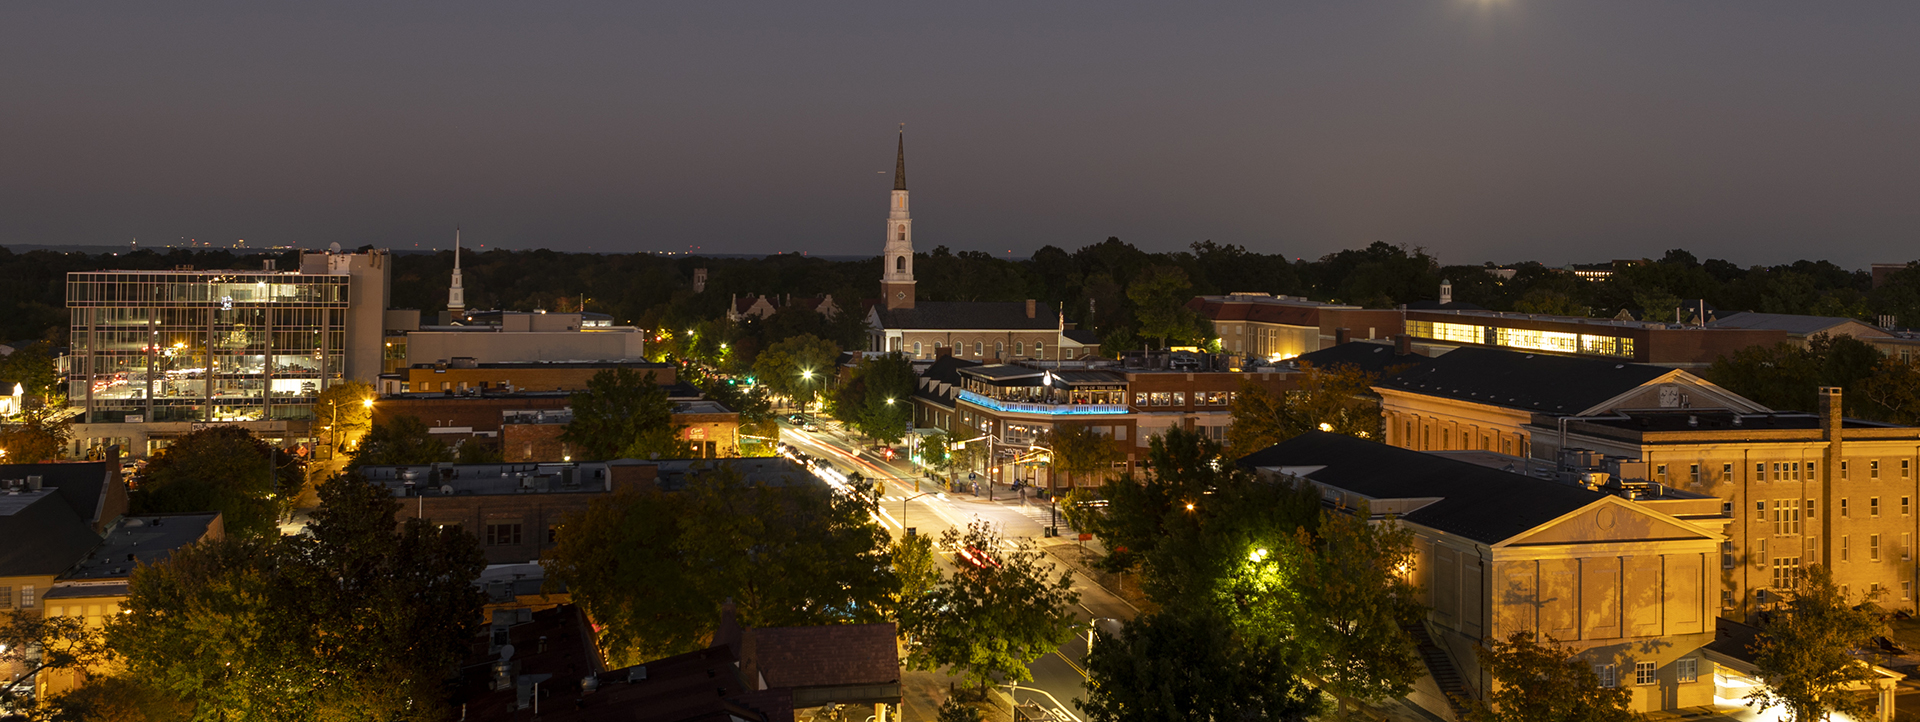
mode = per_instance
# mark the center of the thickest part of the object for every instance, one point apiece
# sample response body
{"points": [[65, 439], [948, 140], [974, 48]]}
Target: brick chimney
{"points": [[1030, 308], [1341, 336], [1403, 345], [1830, 422]]}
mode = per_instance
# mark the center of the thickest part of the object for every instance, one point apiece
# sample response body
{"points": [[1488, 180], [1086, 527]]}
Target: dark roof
{"points": [[979, 315], [1734, 639], [1791, 323], [1081, 336], [825, 656], [1002, 372], [1373, 358], [145, 539], [1720, 420], [1529, 381], [944, 370], [900, 163], [43, 535], [1476, 502], [1429, 305], [82, 484]]}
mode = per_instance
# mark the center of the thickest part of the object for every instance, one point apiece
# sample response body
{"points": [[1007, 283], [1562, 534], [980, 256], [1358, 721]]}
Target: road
{"points": [[903, 507]]}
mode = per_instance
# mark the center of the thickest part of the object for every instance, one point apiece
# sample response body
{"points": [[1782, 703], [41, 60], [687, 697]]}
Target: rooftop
{"points": [[1530, 381], [970, 315], [1477, 502], [1791, 323], [1367, 356], [144, 539], [1720, 420]]}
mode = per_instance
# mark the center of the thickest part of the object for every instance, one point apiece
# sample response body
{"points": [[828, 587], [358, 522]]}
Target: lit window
{"points": [[26, 596], [1645, 672]]}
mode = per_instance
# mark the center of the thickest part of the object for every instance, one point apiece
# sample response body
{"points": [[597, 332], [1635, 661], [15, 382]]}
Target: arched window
{"points": [[916, 348], [976, 348], [999, 347], [903, 233], [900, 263], [1038, 350], [1020, 348]]}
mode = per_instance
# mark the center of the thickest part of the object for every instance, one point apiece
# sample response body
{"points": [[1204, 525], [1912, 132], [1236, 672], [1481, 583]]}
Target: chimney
{"points": [[1403, 345], [1030, 308], [1341, 336], [1446, 292], [1830, 421]]}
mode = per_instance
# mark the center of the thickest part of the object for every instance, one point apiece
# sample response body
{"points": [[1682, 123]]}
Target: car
{"points": [[810, 427], [796, 419], [975, 557]]}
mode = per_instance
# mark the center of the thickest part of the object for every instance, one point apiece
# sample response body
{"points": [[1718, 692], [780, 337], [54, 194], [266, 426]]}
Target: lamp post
{"points": [[903, 508]]}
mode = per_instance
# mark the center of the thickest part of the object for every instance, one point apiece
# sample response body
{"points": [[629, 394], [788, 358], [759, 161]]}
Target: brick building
{"points": [[712, 430], [465, 374], [515, 510]]}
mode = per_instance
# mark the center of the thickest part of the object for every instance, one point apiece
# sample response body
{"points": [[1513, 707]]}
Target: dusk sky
{"points": [[1495, 130]]}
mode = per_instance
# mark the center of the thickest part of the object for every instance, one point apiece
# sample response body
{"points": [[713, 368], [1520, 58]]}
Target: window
{"points": [[1810, 508], [1726, 472], [1020, 348], [1726, 555], [1844, 556], [1726, 507], [1645, 672], [1609, 675], [1873, 468], [976, 348], [1039, 350], [900, 262], [1786, 516], [1843, 507], [916, 348], [1843, 468], [1660, 470], [1693, 473], [1813, 469], [503, 534], [1906, 591], [1686, 671], [1873, 547], [1759, 511], [26, 596], [1906, 505], [1726, 599], [1760, 553], [1760, 472], [1813, 549], [6, 597], [1786, 571], [999, 348], [1873, 506]]}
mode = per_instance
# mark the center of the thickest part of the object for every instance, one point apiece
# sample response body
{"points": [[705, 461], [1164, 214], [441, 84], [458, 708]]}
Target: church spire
{"points": [[900, 162], [456, 293]]}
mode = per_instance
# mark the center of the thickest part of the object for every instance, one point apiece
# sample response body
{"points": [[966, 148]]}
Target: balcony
{"points": [[1042, 409]]}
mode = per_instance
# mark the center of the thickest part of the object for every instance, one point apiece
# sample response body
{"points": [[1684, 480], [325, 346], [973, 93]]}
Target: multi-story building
{"points": [[51, 517], [1016, 407], [526, 425], [155, 352], [1267, 327], [513, 337], [1803, 488], [1621, 575], [463, 374], [710, 430]]}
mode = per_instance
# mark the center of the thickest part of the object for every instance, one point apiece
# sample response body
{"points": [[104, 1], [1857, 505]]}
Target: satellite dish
{"points": [[447, 490], [506, 652], [333, 247]]}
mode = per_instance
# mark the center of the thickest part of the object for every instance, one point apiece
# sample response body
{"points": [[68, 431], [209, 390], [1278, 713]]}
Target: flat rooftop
{"points": [[146, 539]]}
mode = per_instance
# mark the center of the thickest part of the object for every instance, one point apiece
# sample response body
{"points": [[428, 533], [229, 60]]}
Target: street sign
{"points": [[912, 531], [1085, 536]]}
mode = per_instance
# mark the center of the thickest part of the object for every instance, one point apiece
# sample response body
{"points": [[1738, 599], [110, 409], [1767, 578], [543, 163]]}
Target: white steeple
{"points": [[456, 295], [896, 280]]}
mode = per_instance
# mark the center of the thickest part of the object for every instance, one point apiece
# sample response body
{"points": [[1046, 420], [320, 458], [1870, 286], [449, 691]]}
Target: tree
{"points": [[1159, 299], [403, 440], [1001, 609], [1177, 667], [1893, 391], [343, 408], [32, 367], [1545, 683], [362, 619], [877, 400], [617, 408], [1338, 399], [798, 367], [32, 645], [953, 710], [936, 451], [653, 567], [118, 698], [475, 451], [1805, 655], [914, 566], [1353, 605], [1080, 451], [225, 469], [36, 435]]}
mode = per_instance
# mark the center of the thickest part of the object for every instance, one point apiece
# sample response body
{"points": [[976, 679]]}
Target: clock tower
{"points": [[896, 282]]}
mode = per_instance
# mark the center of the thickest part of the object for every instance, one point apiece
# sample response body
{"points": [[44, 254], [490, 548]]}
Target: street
{"points": [[929, 511]]}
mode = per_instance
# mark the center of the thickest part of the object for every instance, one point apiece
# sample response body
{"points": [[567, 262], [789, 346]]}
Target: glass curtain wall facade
{"points": [[206, 346]]}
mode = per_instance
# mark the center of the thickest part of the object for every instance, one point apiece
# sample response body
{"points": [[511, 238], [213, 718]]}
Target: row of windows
{"points": [[1785, 471], [510, 534], [26, 597], [1685, 671], [979, 349], [1873, 547]]}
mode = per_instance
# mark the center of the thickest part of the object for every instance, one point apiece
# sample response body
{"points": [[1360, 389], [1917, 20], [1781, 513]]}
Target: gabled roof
{"points": [[1476, 502], [1369, 357], [969, 315], [1794, 324], [1528, 381], [43, 536], [1081, 336], [939, 383]]}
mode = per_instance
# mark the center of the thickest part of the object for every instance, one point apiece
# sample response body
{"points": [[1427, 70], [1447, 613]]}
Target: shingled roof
{"points": [[1529, 381], [832, 655], [970, 315], [1374, 358], [1480, 503]]}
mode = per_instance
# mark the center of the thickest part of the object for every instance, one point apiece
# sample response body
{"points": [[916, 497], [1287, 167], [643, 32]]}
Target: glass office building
{"points": [[204, 346]]}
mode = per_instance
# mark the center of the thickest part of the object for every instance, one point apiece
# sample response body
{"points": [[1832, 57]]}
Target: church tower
{"points": [[897, 280], [456, 294]]}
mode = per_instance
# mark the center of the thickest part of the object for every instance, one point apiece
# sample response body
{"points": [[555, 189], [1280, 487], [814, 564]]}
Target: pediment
{"points": [[1676, 390], [1609, 520]]}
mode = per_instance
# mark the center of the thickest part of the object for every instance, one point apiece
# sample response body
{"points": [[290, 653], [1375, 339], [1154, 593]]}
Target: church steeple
{"points": [[900, 162], [896, 280], [456, 294]]}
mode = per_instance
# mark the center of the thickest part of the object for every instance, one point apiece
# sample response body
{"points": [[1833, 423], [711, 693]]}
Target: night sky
{"points": [[1502, 130]]}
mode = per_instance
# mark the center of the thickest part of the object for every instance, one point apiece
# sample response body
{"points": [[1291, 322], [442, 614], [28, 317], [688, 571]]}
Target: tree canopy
{"points": [[620, 409], [225, 469], [1001, 608], [1339, 399], [402, 440], [1804, 654], [798, 368], [1544, 682]]}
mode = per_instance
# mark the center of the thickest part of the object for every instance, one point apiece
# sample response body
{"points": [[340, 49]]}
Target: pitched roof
{"points": [[900, 163], [1476, 502], [83, 485], [981, 315], [43, 535], [940, 383], [1529, 381], [825, 656], [1791, 323], [1081, 336], [1369, 357]]}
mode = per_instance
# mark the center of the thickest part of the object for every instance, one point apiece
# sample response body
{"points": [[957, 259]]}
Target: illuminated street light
{"points": [[889, 402], [1189, 506], [1258, 555], [1324, 426], [807, 374], [367, 403]]}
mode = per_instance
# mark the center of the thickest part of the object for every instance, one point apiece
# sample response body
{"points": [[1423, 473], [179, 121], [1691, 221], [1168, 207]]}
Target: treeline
{"points": [[1128, 295]]}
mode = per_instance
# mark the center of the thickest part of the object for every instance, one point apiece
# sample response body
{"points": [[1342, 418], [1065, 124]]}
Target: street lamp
{"points": [[903, 507]]}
